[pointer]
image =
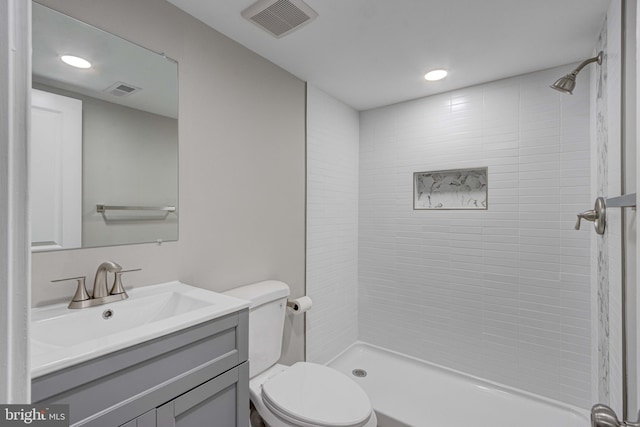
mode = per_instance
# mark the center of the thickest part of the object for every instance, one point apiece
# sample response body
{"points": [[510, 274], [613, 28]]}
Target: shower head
{"points": [[567, 83]]}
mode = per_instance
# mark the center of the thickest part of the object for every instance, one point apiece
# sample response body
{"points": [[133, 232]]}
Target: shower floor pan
{"points": [[407, 392]]}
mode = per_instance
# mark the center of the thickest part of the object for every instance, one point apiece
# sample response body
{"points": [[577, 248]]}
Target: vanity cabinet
{"points": [[198, 376], [145, 420], [213, 403]]}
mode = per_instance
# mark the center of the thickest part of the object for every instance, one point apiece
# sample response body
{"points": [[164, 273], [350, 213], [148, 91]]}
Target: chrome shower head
{"points": [[567, 83]]}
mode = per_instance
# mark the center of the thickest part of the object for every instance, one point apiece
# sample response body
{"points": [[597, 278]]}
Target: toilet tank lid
{"points": [[260, 293]]}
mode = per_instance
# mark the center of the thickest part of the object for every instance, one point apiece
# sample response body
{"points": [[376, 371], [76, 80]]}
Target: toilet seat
{"points": [[312, 395]]}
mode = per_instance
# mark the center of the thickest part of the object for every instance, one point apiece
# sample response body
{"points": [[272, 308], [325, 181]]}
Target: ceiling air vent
{"points": [[121, 89], [279, 17]]}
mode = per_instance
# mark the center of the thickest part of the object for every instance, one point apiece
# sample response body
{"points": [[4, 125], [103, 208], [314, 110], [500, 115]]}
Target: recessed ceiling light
{"points": [[434, 75], [75, 61]]}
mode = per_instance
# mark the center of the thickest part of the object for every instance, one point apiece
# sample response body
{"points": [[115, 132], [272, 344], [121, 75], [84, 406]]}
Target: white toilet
{"points": [[304, 394]]}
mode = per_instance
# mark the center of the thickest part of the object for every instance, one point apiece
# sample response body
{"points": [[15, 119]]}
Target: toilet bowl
{"points": [[301, 395], [310, 395]]}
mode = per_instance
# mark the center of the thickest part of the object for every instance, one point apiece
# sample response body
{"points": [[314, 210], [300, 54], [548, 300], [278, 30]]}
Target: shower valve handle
{"points": [[590, 215], [597, 215]]}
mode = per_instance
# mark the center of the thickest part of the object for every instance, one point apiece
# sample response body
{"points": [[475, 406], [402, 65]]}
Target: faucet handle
{"points": [[117, 287], [81, 291], [597, 215], [590, 215]]}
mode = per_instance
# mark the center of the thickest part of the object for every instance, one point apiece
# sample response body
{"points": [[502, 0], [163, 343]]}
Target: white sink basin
{"points": [[61, 337]]}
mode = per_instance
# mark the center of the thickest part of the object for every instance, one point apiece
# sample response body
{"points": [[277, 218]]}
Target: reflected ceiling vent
{"points": [[279, 17], [122, 89]]}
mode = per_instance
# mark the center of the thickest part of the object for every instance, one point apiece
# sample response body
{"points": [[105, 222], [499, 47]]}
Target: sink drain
{"points": [[360, 373], [107, 314]]}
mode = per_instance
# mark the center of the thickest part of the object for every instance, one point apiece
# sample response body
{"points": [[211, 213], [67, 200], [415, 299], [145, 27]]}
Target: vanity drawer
{"points": [[140, 378]]}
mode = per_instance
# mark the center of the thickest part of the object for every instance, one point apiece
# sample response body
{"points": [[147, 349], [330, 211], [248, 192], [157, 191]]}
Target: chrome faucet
{"points": [[101, 293], [100, 283]]}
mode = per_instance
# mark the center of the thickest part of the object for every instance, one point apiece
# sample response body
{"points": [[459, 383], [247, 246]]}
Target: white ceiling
{"points": [[370, 53], [113, 60]]}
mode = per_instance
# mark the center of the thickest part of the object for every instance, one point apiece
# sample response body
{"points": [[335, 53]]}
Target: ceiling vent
{"points": [[122, 89], [279, 17]]}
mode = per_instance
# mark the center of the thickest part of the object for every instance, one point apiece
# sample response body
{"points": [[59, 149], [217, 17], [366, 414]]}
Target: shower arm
{"points": [[597, 58]]}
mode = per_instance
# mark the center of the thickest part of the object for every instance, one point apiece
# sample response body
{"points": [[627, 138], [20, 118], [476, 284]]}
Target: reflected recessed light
{"points": [[75, 61], [434, 75]]}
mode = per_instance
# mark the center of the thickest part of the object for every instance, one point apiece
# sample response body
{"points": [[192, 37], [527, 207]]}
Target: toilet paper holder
{"points": [[299, 305]]}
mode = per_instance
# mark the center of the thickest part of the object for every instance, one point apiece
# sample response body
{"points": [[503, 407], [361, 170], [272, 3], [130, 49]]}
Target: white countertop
{"points": [[62, 337]]}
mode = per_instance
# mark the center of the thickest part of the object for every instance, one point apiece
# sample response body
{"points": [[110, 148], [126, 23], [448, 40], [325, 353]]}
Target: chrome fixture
{"points": [[100, 282], [604, 416], [105, 208], [360, 373], [101, 294], [567, 83], [597, 215]]}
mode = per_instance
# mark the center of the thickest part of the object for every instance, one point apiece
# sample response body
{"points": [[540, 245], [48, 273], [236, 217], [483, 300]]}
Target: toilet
{"points": [[304, 394]]}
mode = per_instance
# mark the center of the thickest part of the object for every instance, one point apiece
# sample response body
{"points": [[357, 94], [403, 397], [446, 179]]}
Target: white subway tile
{"points": [[501, 293]]}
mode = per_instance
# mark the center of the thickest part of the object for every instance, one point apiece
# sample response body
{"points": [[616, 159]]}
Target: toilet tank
{"points": [[266, 322]]}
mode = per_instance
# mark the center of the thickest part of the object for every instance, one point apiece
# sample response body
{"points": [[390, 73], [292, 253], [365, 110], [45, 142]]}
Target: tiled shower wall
{"points": [[332, 225], [503, 293]]}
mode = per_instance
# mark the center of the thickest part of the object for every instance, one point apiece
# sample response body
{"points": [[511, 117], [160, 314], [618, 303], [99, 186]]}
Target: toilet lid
{"points": [[316, 395]]}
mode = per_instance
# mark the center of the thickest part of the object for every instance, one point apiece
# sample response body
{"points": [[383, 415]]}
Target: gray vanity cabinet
{"points": [[198, 376], [146, 420], [220, 402]]}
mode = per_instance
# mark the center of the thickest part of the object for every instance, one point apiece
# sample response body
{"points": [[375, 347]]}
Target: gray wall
{"points": [[133, 163], [242, 165]]}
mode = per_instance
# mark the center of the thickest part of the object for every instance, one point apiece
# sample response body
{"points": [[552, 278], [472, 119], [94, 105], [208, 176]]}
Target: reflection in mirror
{"points": [[104, 132]]}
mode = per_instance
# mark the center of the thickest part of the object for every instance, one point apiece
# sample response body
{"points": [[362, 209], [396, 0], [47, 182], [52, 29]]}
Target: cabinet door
{"points": [[146, 420], [220, 402]]}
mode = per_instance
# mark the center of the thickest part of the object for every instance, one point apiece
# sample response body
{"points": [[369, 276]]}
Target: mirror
{"points": [[104, 146]]}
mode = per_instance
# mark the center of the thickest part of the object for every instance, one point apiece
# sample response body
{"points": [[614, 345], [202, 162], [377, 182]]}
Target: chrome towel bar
{"points": [[104, 208]]}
